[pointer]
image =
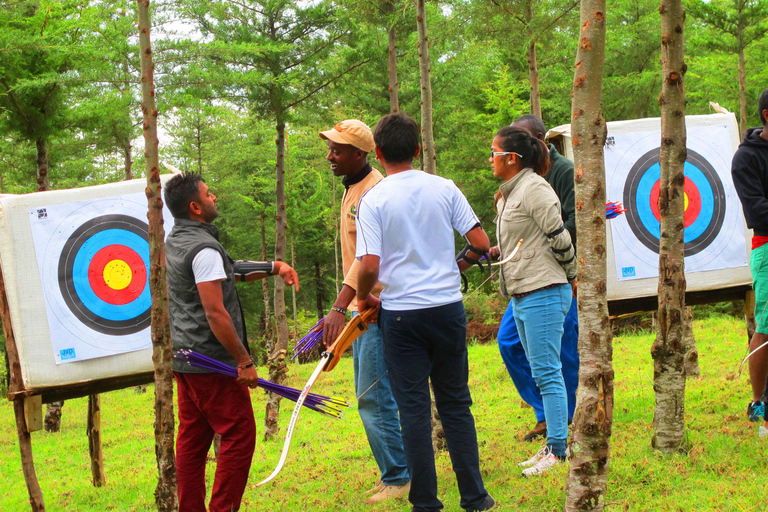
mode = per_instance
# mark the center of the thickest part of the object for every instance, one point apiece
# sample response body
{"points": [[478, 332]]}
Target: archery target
{"points": [[93, 258], [714, 235], [103, 274], [704, 198]]}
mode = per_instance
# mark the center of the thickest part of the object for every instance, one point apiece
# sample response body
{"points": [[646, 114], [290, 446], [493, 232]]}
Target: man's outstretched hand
{"points": [[286, 272]]}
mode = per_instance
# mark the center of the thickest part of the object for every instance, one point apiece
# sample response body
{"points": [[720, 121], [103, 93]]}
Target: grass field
{"points": [[330, 464]]}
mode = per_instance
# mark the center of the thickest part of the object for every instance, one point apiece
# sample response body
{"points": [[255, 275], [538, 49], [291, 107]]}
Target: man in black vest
{"points": [[206, 317]]}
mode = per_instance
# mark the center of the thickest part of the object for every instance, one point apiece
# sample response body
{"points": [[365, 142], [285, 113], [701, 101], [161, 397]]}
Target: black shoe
{"points": [[488, 504], [540, 430], [755, 411]]}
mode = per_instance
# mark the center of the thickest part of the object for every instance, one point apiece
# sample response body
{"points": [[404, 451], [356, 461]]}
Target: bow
{"points": [[328, 361]]}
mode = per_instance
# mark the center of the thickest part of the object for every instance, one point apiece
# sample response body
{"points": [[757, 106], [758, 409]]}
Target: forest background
{"points": [[231, 74]]}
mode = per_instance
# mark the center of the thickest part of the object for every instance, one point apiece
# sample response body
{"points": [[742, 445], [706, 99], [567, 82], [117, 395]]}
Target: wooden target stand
{"points": [[28, 407]]}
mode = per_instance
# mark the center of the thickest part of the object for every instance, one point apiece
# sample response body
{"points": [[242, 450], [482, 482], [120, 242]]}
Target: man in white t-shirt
{"points": [[405, 240], [205, 316]]}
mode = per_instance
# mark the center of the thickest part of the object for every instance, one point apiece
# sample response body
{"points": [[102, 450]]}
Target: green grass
{"points": [[330, 464]]}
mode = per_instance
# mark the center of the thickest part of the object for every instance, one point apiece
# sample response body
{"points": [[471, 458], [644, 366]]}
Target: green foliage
{"points": [[724, 469]]}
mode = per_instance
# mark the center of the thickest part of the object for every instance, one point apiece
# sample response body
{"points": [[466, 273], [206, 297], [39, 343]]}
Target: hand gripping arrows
{"points": [[328, 361]]}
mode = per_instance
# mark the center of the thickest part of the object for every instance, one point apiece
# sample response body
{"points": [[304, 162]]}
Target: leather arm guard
{"points": [[245, 268]]}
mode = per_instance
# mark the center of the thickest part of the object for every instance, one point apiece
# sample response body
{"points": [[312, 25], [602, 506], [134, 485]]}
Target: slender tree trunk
{"points": [[53, 412], [293, 296], [43, 183], [319, 296], [94, 440], [394, 101], [742, 88], [429, 156], [438, 432], [15, 385], [336, 228], [265, 282], [691, 352], [534, 74], [165, 492], [127, 158], [593, 419], [276, 358], [668, 349]]}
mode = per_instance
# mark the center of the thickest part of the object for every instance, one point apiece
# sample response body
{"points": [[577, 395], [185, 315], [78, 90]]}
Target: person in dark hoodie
{"points": [[749, 170]]}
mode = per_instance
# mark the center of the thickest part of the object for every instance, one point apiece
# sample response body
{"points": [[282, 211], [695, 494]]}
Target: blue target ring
{"points": [[82, 282], [116, 233], [701, 230]]}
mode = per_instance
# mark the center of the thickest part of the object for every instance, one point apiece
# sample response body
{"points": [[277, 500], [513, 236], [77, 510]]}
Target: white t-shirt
{"points": [[407, 220], [208, 265]]}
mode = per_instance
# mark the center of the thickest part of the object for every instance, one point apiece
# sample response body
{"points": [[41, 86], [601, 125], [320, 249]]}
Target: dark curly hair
{"points": [[181, 190]]}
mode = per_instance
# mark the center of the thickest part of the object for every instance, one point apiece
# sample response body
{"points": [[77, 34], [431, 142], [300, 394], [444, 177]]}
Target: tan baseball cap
{"points": [[353, 132]]}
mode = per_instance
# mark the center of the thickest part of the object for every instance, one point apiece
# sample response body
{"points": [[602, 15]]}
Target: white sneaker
{"points": [[544, 464], [762, 431], [543, 452]]}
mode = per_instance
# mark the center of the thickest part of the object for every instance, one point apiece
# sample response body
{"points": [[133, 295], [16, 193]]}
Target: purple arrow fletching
{"points": [[325, 405]]}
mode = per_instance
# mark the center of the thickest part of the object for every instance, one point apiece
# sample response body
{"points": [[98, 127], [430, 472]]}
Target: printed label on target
{"points": [[714, 237], [93, 258]]}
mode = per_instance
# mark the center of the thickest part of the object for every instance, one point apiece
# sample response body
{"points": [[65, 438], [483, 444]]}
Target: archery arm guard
{"points": [[244, 269], [463, 256]]}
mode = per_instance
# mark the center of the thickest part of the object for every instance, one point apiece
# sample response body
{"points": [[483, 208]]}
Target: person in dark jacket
{"points": [[749, 170], [560, 177], [205, 316]]}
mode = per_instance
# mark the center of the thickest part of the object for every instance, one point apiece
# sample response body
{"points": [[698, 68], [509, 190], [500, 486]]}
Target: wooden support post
{"points": [[749, 313], [94, 440], [16, 385], [33, 412]]}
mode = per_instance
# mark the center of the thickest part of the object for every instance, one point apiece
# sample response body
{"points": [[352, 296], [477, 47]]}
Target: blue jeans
{"points": [[539, 318], [426, 345], [513, 354], [377, 407]]}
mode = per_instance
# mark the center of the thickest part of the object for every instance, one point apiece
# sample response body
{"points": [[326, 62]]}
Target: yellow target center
{"points": [[117, 274], [686, 202]]}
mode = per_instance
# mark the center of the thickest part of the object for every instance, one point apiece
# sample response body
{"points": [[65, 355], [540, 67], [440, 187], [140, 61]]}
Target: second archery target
{"points": [[714, 234], [704, 197]]}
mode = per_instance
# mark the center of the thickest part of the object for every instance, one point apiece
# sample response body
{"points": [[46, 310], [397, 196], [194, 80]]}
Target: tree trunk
{"points": [[691, 352], [593, 419], [276, 358], [53, 412], [319, 295], [742, 88], [438, 432], [293, 296], [429, 157], [394, 101], [94, 440], [43, 183], [165, 492], [668, 349], [264, 282], [127, 154], [534, 74], [336, 228], [15, 385]]}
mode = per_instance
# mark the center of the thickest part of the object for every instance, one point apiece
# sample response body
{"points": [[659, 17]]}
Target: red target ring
{"points": [[125, 276], [693, 202]]}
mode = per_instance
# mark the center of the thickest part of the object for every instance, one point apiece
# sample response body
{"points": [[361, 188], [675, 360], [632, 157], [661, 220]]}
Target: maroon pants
{"points": [[210, 404]]}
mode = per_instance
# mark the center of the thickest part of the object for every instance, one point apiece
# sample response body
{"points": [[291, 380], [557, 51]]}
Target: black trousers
{"points": [[430, 344]]}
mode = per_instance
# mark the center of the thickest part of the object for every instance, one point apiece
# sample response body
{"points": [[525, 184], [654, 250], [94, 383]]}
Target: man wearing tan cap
{"points": [[349, 143]]}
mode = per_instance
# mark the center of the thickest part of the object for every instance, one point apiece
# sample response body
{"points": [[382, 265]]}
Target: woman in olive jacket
{"points": [[540, 277]]}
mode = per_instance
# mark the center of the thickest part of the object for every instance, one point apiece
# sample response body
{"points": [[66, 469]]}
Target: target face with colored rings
{"points": [[704, 202], [103, 274]]}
